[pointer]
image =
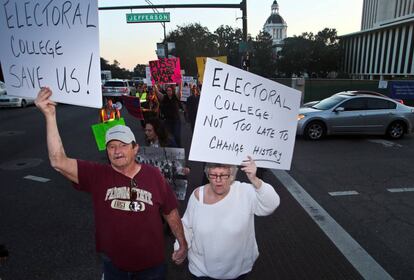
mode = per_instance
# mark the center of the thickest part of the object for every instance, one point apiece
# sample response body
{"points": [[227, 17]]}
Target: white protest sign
{"points": [[54, 44], [243, 114], [148, 76], [186, 92]]}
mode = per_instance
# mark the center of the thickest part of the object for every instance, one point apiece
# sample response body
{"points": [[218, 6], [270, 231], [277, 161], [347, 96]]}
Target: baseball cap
{"points": [[119, 132]]}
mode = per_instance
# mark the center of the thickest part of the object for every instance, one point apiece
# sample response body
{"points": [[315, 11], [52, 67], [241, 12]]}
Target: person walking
{"points": [[219, 222], [128, 197]]}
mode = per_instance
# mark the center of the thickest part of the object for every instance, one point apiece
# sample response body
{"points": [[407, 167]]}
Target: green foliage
{"points": [[228, 40], [191, 41], [139, 70], [316, 55], [262, 59], [116, 70]]}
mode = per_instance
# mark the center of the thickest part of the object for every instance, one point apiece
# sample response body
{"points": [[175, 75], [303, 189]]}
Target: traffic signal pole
{"points": [[242, 6]]}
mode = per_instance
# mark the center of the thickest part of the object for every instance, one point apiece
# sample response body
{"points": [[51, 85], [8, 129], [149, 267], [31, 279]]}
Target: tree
{"points": [[139, 70], [262, 61], [117, 72], [191, 41], [228, 40], [316, 55]]}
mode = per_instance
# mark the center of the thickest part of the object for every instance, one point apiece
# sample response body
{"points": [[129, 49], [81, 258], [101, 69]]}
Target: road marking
{"points": [[385, 143], [397, 190], [36, 178], [343, 193], [353, 252]]}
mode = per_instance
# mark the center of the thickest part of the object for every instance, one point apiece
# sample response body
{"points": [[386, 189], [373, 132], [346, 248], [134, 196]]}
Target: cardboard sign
{"points": [[201, 64], [52, 43], [99, 131], [243, 114], [165, 71], [188, 81]]}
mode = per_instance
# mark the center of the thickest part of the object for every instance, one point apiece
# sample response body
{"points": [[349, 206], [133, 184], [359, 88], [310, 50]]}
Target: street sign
{"points": [[148, 17]]}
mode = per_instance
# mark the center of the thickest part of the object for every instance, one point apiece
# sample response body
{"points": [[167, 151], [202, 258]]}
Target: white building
{"points": [[276, 26], [384, 48]]}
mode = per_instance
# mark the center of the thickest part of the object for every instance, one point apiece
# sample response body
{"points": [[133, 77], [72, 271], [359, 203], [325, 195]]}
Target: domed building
{"points": [[276, 26]]}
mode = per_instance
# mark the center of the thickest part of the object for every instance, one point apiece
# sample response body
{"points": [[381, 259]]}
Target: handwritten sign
{"points": [[165, 70], [52, 43], [243, 114], [201, 64]]}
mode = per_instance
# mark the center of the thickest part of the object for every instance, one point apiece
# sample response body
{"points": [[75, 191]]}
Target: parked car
{"points": [[116, 88], [311, 103], [12, 101], [355, 113], [2, 88]]}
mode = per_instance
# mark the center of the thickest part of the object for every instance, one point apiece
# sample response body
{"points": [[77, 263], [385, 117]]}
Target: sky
{"points": [[132, 44]]}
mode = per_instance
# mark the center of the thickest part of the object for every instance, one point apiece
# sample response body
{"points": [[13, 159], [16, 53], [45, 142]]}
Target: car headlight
{"points": [[15, 99], [301, 116]]}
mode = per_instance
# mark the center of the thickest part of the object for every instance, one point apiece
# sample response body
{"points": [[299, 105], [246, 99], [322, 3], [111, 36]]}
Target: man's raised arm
{"points": [[58, 159]]}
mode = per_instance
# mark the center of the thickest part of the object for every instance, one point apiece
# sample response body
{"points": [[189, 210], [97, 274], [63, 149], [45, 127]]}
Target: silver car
{"points": [[355, 113], [116, 88], [12, 101]]}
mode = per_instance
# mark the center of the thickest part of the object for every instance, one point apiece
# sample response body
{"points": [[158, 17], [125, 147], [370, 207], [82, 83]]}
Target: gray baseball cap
{"points": [[121, 133]]}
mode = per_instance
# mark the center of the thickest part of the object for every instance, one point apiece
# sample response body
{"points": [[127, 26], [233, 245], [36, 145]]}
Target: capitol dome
{"points": [[276, 19], [276, 26]]}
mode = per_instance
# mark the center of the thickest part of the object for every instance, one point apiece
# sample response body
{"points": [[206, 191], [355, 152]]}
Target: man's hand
{"points": [[45, 105]]}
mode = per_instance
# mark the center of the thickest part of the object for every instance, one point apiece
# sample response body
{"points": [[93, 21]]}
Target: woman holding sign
{"points": [[219, 221]]}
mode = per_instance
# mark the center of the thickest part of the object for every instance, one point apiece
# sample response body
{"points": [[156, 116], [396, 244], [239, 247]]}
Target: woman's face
{"points": [[220, 180], [169, 92], [150, 132]]}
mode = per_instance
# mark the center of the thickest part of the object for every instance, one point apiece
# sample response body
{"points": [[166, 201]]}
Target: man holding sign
{"points": [[128, 199]]}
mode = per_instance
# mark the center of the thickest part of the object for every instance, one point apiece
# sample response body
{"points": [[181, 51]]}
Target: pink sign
{"points": [[165, 71]]}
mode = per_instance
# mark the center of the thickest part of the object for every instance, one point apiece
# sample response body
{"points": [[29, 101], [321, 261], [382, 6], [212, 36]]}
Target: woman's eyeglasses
{"points": [[218, 176]]}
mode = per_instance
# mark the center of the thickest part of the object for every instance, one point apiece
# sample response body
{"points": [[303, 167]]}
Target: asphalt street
{"points": [[48, 226]]}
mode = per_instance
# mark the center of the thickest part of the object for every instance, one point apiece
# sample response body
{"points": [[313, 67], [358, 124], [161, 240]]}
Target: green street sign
{"points": [[148, 17]]}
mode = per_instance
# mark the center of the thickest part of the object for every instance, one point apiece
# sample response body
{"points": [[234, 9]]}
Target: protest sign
{"points": [[99, 131], [171, 162], [201, 64], [188, 81], [165, 71], [54, 44], [243, 114], [148, 76]]}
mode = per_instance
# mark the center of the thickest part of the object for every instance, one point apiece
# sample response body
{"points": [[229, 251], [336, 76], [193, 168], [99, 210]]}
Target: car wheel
{"points": [[23, 104], [315, 131], [396, 130]]}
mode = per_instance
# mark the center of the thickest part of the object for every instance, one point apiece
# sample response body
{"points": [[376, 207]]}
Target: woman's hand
{"points": [[250, 168]]}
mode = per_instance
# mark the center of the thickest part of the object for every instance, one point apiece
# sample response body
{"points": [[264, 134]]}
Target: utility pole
{"points": [[243, 7]]}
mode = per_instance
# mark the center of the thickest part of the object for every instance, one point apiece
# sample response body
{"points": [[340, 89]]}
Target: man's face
{"points": [[120, 154]]}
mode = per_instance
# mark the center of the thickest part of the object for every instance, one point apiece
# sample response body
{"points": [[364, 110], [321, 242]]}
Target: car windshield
{"points": [[329, 102], [114, 84]]}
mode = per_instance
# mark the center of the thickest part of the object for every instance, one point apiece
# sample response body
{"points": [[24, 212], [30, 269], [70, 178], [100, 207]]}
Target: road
{"points": [[49, 230]]}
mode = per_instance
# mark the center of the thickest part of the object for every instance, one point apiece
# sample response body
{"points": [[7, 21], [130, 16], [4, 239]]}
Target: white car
{"points": [[12, 101]]}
